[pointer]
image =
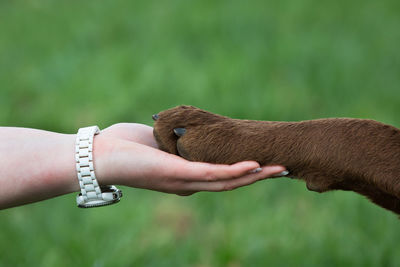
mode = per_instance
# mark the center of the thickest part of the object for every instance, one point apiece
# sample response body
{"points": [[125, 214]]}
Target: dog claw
{"points": [[179, 131]]}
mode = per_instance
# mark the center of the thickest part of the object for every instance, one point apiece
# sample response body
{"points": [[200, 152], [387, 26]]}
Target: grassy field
{"points": [[67, 64]]}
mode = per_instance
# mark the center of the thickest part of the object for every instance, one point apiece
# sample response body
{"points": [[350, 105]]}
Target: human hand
{"points": [[127, 154]]}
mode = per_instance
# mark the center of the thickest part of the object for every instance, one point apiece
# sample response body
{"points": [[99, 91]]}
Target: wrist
{"points": [[103, 150], [92, 193], [66, 173]]}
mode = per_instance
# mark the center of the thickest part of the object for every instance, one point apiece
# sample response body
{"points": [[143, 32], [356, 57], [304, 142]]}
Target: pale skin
{"points": [[37, 165]]}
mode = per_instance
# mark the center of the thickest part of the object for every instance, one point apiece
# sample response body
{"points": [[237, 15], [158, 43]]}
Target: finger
{"points": [[230, 184], [200, 171]]}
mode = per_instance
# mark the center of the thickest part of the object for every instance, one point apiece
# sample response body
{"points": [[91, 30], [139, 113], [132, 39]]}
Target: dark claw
{"points": [[155, 117], [179, 131]]}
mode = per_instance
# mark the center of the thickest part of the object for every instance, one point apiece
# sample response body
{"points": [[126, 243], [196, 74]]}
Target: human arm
{"points": [[37, 165]]}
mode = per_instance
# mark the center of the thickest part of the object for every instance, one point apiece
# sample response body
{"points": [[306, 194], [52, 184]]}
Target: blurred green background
{"points": [[68, 64]]}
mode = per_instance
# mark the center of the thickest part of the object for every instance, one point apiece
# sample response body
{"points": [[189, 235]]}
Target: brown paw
{"points": [[191, 133], [172, 124]]}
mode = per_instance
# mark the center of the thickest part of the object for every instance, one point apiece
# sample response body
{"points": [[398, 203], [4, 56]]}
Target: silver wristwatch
{"points": [[91, 195]]}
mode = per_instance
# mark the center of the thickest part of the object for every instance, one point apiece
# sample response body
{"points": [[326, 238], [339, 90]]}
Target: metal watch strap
{"points": [[92, 195]]}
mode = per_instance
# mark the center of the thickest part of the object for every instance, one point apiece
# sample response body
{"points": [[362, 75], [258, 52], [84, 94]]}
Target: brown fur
{"points": [[347, 154]]}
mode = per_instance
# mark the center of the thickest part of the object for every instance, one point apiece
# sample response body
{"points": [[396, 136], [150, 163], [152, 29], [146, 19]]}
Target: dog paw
{"points": [[172, 124], [186, 131]]}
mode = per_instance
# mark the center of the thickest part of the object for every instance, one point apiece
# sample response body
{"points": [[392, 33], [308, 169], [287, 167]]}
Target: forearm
{"points": [[35, 165]]}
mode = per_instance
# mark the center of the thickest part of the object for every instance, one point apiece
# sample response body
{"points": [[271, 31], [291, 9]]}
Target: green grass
{"points": [[68, 64]]}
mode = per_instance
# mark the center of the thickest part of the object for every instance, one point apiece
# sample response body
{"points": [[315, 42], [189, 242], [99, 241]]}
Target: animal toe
{"points": [[179, 131]]}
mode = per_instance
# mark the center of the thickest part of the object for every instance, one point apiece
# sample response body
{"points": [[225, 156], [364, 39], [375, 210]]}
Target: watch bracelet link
{"points": [[92, 194]]}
